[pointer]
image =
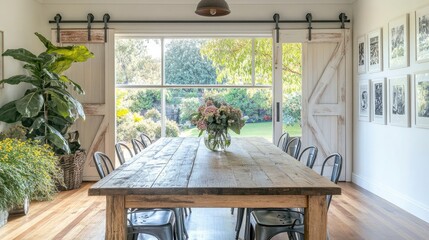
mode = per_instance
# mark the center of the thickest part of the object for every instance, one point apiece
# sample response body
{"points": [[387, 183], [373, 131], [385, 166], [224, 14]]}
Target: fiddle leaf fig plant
{"points": [[48, 109]]}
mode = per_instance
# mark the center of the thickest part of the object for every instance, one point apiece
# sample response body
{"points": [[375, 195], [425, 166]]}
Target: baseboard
{"points": [[412, 206]]}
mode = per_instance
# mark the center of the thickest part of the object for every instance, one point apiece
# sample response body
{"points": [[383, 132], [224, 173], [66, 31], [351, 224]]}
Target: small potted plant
{"points": [[28, 171], [48, 109]]}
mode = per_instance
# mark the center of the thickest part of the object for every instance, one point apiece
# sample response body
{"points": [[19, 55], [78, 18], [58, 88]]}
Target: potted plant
{"points": [[28, 170], [48, 109]]}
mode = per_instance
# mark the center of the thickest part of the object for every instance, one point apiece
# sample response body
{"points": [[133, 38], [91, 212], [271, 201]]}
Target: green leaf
{"points": [[9, 113], [30, 105], [14, 80], [37, 123], [76, 86], [22, 54], [57, 139], [45, 41], [62, 105]]}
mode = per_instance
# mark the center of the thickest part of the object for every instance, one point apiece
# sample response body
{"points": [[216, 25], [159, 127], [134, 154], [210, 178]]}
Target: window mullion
{"points": [[163, 102], [253, 61]]}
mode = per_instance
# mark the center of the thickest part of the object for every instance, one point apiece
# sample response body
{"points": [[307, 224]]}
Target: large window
{"points": [[161, 81]]}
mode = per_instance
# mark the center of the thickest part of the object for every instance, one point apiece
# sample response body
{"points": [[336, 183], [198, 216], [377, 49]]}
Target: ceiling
{"points": [[231, 2]]}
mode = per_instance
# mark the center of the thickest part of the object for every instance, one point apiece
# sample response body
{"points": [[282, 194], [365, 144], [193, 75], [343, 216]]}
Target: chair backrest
{"points": [[103, 164], [145, 139], [119, 147], [138, 145], [336, 170], [311, 152], [283, 140], [293, 147]]}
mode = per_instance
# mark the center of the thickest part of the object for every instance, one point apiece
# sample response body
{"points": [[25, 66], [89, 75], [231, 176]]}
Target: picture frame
{"points": [[375, 51], [399, 101], [1, 59], [364, 100], [378, 103], [422, 34], [399, 42], [361, 54], [421, 99]]}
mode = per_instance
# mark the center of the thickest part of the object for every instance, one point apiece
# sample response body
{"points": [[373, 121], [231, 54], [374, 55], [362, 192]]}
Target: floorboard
{"points": [[356, 214]]}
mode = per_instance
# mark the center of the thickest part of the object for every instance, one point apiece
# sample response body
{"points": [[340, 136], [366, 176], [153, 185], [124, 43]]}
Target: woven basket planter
{"points": [[72, 166]]}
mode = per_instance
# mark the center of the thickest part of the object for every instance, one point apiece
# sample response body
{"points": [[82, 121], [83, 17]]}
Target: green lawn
{"points": [[263, 129]]}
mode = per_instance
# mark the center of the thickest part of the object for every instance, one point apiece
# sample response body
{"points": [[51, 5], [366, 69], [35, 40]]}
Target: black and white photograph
{"points": [[364, 100], [398, 42], [361, 55], [399, 101], [375, 51], [379, 101], [422, 99], [422, 34]]}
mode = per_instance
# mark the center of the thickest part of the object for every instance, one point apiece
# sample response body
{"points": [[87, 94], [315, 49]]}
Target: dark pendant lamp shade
{"points": [[212, 8]]}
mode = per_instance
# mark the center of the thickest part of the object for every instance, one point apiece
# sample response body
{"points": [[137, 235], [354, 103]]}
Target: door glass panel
{"points": [[292, 88]]}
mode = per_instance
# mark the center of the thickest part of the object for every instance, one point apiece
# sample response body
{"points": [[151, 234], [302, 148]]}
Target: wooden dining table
{"points": [[181, 172]]}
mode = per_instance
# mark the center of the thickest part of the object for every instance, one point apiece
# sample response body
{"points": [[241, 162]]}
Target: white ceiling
{"points": [[231, 2]]}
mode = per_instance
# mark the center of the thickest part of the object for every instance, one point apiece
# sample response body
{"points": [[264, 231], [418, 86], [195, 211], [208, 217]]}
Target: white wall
{"points": [[390, 161], [19, 19]]}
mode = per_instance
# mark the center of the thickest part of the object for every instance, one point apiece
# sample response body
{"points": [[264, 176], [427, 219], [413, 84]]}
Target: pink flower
{"points": [[202, 125], [210, 110]]}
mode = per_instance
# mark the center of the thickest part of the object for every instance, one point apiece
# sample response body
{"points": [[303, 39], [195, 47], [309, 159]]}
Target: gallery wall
{"points": [[18, 21], [390, 160]]}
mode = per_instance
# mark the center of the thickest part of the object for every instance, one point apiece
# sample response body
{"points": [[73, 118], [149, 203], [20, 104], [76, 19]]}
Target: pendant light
{"points": [[212, 8]]}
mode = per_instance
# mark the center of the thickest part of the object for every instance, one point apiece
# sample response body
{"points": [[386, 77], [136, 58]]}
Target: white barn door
{"points": [[97, 131], [326, 92]]}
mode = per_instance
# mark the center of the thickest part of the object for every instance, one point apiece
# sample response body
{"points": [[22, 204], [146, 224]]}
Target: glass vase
{"points": [[217, 141]]}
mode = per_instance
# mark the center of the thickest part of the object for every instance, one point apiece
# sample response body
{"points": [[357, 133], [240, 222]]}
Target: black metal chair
{"points": [[145, 139], [159, 223], [138, 145], [265, 224], [120, 147], [293, 146], [283, 140], [311, 155]]}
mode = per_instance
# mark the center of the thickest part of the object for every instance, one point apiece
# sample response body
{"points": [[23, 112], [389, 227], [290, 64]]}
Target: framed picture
{"points": [[421, 90], [378, 105], [422, 34], [375, 51], [361, 54], [364, 100], [1, 58], [399, 111], [398, 43]]}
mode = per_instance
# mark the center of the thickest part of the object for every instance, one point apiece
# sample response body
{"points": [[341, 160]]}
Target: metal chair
{"points": [[119, 147], [265, 224], [293, 146], [145, 139], [159, 223], [283, 140], [311, 156], [138, 145]]}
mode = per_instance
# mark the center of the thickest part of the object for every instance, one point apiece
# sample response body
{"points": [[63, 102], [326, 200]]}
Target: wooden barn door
{"points": [[326, 92], [97, 130]]}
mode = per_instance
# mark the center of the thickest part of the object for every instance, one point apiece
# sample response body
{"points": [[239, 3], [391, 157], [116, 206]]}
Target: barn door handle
{"points": [[278, 111]]}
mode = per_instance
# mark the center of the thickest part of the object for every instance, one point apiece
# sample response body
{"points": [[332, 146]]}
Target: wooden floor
{"points": [[356, 214]]}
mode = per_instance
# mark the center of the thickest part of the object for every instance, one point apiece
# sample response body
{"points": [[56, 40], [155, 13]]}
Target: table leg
{"points": [[315, 219], [116, 218]]}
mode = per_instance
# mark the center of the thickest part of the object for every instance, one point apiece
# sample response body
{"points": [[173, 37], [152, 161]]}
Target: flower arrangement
{"points": [[215, 119], [27, 169]]}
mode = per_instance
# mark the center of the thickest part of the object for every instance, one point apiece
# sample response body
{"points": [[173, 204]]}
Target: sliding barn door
{"points": [[97, 130], [326, 92], [327, 96]]}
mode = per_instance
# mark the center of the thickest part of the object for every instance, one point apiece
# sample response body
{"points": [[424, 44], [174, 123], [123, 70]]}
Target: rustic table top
{"points": [[184, 166]]}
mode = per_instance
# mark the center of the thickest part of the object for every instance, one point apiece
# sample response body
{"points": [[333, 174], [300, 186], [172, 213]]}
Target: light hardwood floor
{"points": [[356, 214]]}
